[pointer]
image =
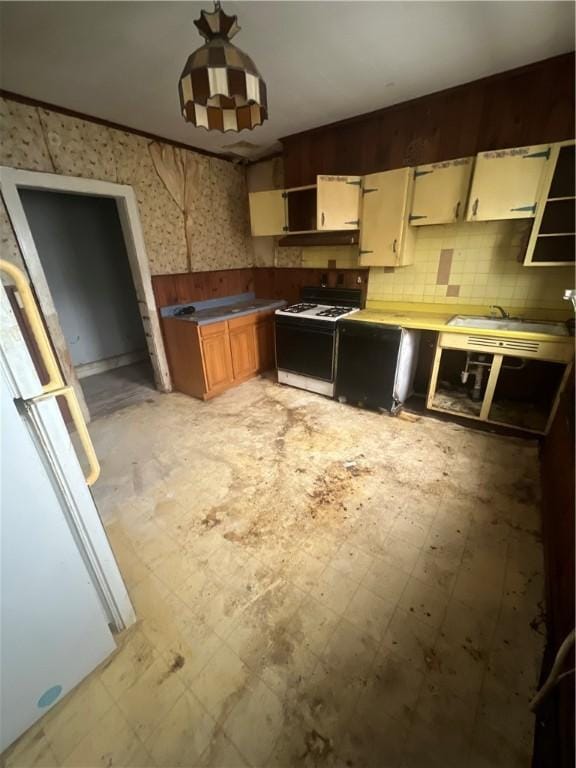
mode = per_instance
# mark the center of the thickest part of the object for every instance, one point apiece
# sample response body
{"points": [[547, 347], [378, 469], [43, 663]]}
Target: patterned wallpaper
{"points": [[193, 208]]}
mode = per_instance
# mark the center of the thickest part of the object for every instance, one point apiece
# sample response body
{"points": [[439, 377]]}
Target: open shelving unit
{"points": [[553, 237]]}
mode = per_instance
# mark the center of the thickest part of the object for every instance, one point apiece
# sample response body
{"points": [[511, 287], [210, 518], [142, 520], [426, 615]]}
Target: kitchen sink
{"points": [[508, 324]]}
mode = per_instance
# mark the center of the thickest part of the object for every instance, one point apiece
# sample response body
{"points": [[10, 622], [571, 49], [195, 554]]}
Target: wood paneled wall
{"points": [[198, 286], [523, 106], [285, 283], [266, 282]]}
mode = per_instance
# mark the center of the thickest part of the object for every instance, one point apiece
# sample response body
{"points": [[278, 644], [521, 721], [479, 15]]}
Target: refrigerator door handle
{"points": [[55, 386], [73, 406], [55, 380]]}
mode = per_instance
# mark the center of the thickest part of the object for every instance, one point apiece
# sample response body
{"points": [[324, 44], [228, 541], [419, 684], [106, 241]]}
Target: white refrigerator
{"points": [[62, 596]]}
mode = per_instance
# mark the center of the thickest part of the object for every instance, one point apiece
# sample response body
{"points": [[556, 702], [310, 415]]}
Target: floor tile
{"points": [[150, 698], [221, 753], [175, 568], [334, 590], [221, 683], [490, 749], [412, 639], [457, 668], [183, 735], [112, 743], [257, 711], [426, 746], [425, 602], [371, 739], [439, 572], [32, 750], [351, 562], [304, 570], [134, 656], [369, 613], [70, 721], [313, 624], [350, 652], [399, 553], [392, 687], [411, 530], [195, 643], [385, 580]]}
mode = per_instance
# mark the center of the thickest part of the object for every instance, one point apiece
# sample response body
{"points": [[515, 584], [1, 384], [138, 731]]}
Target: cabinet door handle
{"points": [[457, 211], [475, 207], [322, 218], [394, 246]]}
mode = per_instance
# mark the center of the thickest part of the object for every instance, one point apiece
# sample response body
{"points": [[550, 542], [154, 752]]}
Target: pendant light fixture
{"points": [[220, 87]]}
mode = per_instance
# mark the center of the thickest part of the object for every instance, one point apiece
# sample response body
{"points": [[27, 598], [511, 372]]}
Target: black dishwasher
{"points": [[375, 364]]}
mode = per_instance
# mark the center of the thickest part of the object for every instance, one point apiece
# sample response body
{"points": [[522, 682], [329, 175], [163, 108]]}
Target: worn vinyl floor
{"points": [[111, 391], [316, 585]]}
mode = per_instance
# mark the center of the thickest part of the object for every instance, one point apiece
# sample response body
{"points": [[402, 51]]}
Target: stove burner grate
{"points": [[297, 308]]}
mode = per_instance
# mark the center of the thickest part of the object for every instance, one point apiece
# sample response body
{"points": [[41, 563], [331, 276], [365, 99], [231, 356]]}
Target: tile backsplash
{"points": [[473, 263]]}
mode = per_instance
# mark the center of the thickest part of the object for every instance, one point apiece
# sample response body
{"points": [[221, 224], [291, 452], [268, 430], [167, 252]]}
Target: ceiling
{"points": [[322, 61]]}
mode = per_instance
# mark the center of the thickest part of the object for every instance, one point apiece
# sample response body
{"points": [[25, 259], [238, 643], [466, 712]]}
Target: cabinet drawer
{"points": [[213, 329], [263, 316], [543, 350], [242, 322]]}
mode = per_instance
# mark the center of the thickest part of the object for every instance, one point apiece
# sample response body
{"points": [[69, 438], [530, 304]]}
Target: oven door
{"points": [[305, 347]]}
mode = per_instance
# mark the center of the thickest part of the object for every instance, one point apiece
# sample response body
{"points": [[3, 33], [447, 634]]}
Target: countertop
{"points": [[438, 321], [227, 308]]}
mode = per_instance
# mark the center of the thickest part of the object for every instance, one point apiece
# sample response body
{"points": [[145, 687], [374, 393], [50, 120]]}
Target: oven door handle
{"points": [[320, 327]]}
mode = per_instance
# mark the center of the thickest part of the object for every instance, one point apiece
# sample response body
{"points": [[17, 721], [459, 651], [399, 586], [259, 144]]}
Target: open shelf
{"points": [[553, 239], [318, 238]]}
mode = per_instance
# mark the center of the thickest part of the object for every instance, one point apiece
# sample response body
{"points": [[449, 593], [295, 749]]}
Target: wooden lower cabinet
{"points": [[265, 352], [243, 350], [206, 360], [218, 363], [242, 332]]}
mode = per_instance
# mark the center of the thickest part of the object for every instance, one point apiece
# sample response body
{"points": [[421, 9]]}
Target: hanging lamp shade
{"points": [[220, 87]]}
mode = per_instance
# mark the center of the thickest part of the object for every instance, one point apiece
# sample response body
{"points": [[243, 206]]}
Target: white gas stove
{"points": [[306, 337], [325, 312]]}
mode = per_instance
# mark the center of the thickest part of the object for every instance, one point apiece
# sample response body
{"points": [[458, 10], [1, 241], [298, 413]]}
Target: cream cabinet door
{"points": [[338, 202], [506, 183], [267, 213], [383, 221], [440, 192]]}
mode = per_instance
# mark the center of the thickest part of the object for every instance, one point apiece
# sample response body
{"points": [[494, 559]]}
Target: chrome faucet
{"points": [[503, 314], [570, 295]]}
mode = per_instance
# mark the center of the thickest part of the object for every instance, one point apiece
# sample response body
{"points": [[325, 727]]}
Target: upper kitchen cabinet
{"points": [[441, 192], [552, 240], [267, 213], [338, 202], [301, 208], [385, 237], [331, 205], [507, 183]]}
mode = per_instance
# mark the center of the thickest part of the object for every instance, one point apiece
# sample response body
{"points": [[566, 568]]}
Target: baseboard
{"points": [[109, 363]]}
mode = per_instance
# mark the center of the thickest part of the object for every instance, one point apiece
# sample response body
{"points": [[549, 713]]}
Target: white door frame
{"points": [[11, 179]]}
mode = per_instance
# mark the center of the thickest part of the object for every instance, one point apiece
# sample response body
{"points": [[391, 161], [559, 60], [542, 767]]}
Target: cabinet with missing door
{"points": [[500, 379], [553, 237], [330, 205]]}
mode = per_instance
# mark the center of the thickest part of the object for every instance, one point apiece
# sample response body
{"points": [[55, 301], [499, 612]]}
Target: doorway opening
{"points": [[81, 247]]}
